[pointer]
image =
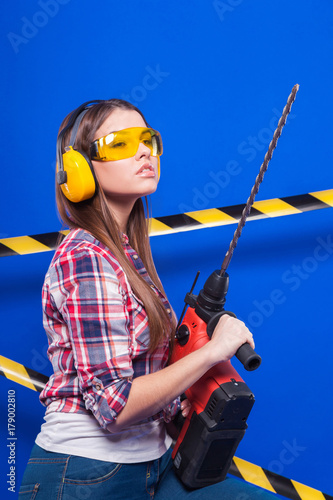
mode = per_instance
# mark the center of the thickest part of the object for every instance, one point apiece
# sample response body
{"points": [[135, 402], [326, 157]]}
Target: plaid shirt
{"points": [[97, 330]]}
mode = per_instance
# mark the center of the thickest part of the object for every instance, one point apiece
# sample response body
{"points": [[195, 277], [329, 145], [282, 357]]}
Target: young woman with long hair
{"points": [[110, 326]]}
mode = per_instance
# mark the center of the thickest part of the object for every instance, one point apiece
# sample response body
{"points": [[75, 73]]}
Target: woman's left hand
{"points": [[185, 407], [174, 430]]}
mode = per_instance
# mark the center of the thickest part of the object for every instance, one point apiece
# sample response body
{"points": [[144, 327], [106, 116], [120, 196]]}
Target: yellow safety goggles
{"points": [[125, 143]]}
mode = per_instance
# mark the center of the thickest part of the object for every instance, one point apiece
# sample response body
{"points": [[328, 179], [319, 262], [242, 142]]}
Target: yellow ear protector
{"points": [[75, 174]]}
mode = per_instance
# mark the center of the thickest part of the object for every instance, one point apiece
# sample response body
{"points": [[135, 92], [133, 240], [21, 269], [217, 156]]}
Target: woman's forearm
{"points": [[151, 393]]}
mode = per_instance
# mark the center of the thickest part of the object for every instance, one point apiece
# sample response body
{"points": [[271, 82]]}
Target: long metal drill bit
{"points": [[259, 178]]}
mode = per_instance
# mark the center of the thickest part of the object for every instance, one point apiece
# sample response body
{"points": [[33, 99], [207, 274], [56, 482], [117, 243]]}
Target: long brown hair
{"points": [[95, 216]]}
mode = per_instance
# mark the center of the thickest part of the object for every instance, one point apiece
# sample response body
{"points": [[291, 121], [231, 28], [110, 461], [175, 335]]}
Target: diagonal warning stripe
{"points": [[324, 196], [25, 245], [253, 474], [188, 221], [276, 207], [274, 482], [22, 375]]}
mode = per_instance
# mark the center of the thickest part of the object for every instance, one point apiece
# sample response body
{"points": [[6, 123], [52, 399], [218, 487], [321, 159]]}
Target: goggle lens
{"points": [[125, 143]]}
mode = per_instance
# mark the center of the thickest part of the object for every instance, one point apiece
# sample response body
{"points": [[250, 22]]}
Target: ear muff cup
{"points": [[80, 184]]}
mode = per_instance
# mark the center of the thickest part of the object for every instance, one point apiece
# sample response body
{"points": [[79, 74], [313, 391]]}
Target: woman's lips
{"points": [[146, 170]]}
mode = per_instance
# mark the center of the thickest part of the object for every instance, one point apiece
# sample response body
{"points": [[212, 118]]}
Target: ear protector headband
{"points": [[75, 174]]}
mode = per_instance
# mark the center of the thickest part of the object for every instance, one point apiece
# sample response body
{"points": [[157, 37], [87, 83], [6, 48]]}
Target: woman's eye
{"points": [[147, 142], [119, 144]]}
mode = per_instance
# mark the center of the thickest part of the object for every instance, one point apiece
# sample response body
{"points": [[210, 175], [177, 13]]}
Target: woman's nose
{"points": [[143, 150]]}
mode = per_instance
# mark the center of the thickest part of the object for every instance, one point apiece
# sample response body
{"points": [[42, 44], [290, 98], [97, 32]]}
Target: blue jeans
{"points": [[57, 476]]}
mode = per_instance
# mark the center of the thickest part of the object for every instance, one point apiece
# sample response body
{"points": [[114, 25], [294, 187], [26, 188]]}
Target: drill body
{"points": [[220, 400]]}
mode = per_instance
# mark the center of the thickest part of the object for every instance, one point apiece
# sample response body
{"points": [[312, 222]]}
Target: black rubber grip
{"points": [[248, 357]]}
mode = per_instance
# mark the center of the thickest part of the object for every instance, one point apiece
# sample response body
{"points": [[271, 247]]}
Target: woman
{"points": [[110, 326]]}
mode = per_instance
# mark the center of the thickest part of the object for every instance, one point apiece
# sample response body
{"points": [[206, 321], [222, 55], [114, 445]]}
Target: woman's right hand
{"points": [[229, 334]]}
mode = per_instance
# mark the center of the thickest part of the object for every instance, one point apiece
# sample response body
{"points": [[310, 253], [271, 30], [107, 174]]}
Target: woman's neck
{"points": [[121, 210]]}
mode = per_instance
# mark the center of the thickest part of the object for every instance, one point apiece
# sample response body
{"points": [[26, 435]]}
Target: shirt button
{"points": [[135, 257], [152, 286], [98, 387], [168, 311]]}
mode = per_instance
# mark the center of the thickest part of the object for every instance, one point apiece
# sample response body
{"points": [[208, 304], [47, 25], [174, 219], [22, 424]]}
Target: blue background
{"points": [[212, 77]]}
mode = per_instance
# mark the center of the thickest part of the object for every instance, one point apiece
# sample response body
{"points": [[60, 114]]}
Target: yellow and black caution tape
{"points": [[22, 375], [189, 221], [274, 482], [251, 473]]}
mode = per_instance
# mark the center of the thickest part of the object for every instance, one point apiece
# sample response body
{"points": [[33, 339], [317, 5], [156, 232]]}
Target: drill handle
{"points": [[245, 354]]}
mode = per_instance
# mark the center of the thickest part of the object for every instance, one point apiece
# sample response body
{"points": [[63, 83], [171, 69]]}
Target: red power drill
{"points": [[220, 400]]}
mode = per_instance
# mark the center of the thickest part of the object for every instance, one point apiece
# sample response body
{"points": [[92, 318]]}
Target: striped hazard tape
{"points": [[277, 207], [274, 482], [251, 473], [22, 375]]}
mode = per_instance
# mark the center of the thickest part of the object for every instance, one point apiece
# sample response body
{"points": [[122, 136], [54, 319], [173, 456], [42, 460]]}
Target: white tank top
{"points": [[80, 434]]}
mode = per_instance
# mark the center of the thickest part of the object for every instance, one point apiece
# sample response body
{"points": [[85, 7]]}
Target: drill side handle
{"points": [[245, 354]]}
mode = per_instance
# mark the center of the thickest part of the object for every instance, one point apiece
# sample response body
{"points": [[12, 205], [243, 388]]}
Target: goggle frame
{"points": [[103, 149]]}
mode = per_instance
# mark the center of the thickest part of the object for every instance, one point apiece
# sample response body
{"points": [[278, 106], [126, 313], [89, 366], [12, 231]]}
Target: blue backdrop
{"points": [[213, 78]]}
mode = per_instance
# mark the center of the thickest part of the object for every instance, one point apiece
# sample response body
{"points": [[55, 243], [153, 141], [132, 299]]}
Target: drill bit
{"points": [[259, 179]]}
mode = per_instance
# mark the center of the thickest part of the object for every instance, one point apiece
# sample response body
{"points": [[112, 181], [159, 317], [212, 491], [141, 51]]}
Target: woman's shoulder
{"points": [[77, 238], [80, 244]]}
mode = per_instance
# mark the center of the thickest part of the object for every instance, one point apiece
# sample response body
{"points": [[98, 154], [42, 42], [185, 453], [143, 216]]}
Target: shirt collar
{"points": [[124, 239]]}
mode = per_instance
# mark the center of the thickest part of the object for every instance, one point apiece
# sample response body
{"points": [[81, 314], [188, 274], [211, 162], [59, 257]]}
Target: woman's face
{"points": [[124, 181]]}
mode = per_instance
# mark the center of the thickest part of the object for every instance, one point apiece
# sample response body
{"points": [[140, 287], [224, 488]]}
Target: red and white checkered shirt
{"points": [[97, 330]]}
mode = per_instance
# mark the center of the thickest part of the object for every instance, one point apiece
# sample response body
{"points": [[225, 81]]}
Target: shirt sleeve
{"points": [[92, 303], [171, 410]]}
